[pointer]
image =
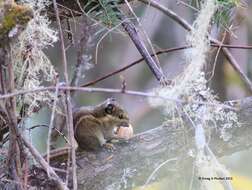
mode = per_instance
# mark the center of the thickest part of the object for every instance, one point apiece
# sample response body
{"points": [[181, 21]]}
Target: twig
{"points": [[141, 28], [232, 46], [70, 147], [51, 88], [54, 128], [110, 90], [168, 13], [155, 171], [158, 53], [158, 73], [26, 172], [13, 181], [136, 39], [51, 124], [216, 57], [14, 160], [132, 64], [21, 92], [236, 66], [187, 5], [124, 84], [188, 27], [69, 117], [83, 46], [43, 163], [2, 83]]}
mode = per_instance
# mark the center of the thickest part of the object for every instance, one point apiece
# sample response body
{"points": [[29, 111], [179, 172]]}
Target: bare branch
{"points": [[84, 47], [51, 124], [69, 117], [236, 66], [110, 90], [131, 64], [37, 156], [14, 159]]}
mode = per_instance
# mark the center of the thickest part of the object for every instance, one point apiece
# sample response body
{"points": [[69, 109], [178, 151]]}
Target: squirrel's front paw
{"points": [[109, 146]]}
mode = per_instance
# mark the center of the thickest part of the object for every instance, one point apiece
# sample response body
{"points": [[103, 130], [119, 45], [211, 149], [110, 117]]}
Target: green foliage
{"points": [[223, 14], [228, 2], [13, 15], [104, 11]]}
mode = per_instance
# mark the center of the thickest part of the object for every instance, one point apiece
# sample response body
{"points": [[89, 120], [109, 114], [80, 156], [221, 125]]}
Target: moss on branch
{"points": [[13, 15]]}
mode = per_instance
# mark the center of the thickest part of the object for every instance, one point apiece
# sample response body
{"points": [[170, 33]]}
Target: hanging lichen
{"points": [[32, 67]]}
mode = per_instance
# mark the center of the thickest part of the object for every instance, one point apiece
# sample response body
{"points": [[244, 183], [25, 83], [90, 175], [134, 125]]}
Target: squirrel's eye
{"points": [[109, 109], [121, 116]]}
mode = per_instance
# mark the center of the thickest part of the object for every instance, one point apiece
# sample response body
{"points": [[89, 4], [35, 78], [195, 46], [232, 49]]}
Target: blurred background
{"points": [[116, 50]]}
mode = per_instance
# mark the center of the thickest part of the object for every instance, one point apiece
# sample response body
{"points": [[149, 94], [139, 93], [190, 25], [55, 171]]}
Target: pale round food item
{"points": [[125, 132]]}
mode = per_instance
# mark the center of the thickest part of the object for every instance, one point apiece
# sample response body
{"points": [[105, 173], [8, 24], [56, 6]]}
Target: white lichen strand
{"points": [[31, 65], [191, 87], [198, 40], [196, 56]]}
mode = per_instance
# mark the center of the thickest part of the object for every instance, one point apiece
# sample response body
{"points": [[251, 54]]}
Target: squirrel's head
{"points": [[110, 111]]}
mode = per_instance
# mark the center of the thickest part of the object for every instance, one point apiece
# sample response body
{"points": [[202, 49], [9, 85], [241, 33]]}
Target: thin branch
{"points": [[130, 28], [132, 32], [15, 182], [232, 46], [52, 88], [110, 90], [141, 28], [216, 57], [236, 66], [156, 170], [54, 128], [21, 92], [132, 64], [69, 117], [83, 45], [158, 53], [179, 2], [43, 163], [14, 159], [2, 83], [168, 13], [51, 124]]}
